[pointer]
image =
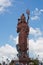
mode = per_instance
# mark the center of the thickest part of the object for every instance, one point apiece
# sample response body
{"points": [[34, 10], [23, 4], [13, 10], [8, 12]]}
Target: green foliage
{"points": [[12, 62], [0, 64], [35, 62]]}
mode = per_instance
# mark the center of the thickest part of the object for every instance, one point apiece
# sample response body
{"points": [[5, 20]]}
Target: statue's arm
{"points": [[27, 30], [18, 28]]}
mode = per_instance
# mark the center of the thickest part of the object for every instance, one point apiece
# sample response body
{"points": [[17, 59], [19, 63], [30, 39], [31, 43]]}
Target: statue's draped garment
{"points": [[23, 30]]}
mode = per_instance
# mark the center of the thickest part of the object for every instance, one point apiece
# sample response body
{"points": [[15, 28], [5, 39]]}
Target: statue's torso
{"points": [[23, 30], [23, 27]]}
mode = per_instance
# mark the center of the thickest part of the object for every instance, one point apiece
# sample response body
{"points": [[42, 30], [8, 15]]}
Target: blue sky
{"points": [[8, 20], [9, 14]]}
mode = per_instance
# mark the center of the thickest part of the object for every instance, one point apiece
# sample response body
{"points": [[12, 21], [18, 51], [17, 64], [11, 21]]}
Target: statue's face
{"points": [[22, 18]]}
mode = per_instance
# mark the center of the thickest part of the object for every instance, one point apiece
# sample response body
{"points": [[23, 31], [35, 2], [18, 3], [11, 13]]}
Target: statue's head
{"points": [[23, 18]]}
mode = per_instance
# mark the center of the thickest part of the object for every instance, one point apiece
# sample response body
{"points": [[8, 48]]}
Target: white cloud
{"points": [[36, 14], [14, 39], [7, 51], [35, 31], [36, 47], [36, 11], [4, 4], [35, 18], [41, 10]]}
